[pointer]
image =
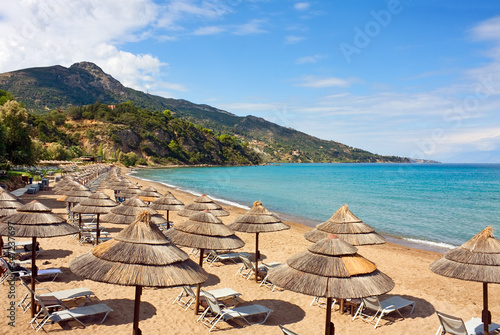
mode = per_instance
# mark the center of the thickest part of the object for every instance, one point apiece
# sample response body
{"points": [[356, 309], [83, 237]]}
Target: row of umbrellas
{"points": [[342, 274]]}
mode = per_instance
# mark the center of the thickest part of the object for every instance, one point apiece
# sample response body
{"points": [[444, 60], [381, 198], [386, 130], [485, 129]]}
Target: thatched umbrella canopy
{"points": [[126, 212], [8, 203], [348, 227], [140, 255], [331, 268], [148, 194], [131, 191], [98, 203], [73, 193], [203, 231], [476, 260], [258, 220], [35, 220], [119, 185], [167, 202], [200, 204], [8, 206]]}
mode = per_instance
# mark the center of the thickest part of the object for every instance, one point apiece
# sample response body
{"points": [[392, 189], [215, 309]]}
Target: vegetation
{"points": [[58, 88], [129, 134]]}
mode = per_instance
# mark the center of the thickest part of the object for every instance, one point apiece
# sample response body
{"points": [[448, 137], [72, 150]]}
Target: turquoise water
{"points": [[430, 203]]}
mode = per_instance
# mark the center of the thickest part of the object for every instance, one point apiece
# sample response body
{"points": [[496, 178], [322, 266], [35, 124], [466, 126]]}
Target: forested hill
{"points": [[45, 89]]}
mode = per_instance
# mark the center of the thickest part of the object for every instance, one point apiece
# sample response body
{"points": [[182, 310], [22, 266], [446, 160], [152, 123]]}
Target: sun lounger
{"points": [[215, 256], [247, 268], [214, 313], [8, 272], [43, 316], [266, 282], [384, 307], [287, 331], [454, 325], [62, 296], [188, 294]]}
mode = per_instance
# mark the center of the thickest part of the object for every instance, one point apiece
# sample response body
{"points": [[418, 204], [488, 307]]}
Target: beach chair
{"points": [[19, 271], [287, 331], [187, 296], [456, 326], [44, 315], [216, 312], [382, 308], [266, 282], [318, 302], [62, 296], [214, 256], [247, 268]]}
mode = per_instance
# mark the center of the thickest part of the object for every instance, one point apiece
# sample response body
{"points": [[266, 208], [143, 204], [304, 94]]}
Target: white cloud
{"points": [[250, 28], [210, 30], [302, 6], [39, 33], [291, 39], [309, 59], [317, 82]]}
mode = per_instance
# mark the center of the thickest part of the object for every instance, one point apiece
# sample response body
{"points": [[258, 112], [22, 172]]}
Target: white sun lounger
{"points": [[43, 316], [221, 293], [214, 313]]}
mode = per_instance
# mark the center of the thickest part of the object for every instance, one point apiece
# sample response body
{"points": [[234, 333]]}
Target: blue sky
{"points": [[414, 78]]}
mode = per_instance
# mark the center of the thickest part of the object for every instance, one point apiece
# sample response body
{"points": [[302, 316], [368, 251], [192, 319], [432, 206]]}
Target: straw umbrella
{"points": [[74, 193], [331, 268], [126, 212], [98, 203], [167, 202], [140, 255], [476, 260], [200, 204], [148, 194], [35, 220], [258, 220], [348, 227], [131, 191], [8, 206], [203, 231]]}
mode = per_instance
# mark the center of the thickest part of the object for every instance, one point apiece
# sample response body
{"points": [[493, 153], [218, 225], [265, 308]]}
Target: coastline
{"points": [[307, 223]]}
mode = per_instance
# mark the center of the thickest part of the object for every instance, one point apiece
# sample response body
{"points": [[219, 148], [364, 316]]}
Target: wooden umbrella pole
{"points": [[486, 315], [137, 309], [257, 256], [328, 315], [33, 276], [198, 286], [97, 233], [79, 226], [168, 221]]}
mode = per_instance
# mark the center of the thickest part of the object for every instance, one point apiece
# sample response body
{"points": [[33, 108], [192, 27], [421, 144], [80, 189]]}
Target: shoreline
{"points": [[310, 224]]}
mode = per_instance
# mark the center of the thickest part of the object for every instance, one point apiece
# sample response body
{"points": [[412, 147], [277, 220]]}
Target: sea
{"points": [[427, 206]]}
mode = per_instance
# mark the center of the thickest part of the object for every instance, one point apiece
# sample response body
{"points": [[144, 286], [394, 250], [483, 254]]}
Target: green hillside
{"points": [[58, 88]]}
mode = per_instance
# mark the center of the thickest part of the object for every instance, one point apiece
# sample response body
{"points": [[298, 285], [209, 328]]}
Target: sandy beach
{"points": [[408, 267]]}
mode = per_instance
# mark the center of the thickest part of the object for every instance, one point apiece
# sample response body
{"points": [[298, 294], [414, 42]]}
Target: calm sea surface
{"points": [[430, 203]]}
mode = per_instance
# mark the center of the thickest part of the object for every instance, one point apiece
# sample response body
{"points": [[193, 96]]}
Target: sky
{"points": [[410, 78]]}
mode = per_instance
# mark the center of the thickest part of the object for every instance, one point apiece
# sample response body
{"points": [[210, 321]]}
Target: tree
{"points": [[18, 144]]}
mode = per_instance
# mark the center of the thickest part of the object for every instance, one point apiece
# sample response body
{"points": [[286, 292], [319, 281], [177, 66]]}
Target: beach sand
{"points": [[409, 268]]}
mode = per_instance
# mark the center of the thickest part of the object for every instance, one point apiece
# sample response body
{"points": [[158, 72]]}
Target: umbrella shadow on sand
{"points": [[47, 255], [212, 280], [284, 312], [123, 312]]}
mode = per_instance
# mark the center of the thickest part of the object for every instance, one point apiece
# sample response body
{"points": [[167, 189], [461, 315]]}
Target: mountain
{"points": [[44, 89]]}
